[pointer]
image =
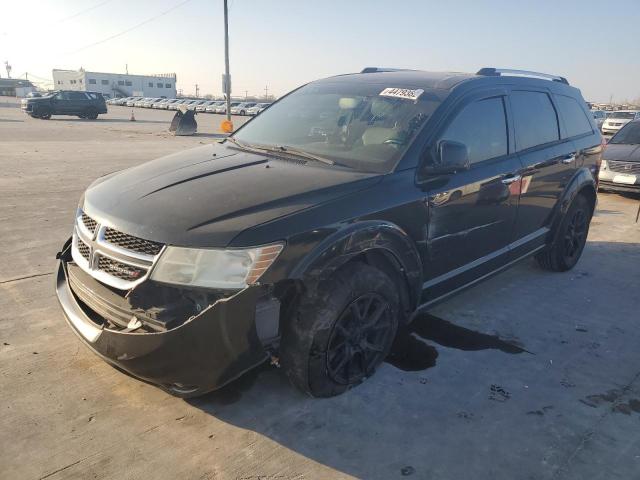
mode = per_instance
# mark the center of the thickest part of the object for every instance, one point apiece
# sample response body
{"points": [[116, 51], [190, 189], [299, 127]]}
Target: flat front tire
{"points": [[340, 334], [567, 248]]}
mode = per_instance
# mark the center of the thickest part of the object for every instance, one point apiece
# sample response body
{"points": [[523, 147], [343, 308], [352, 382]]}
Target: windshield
{"points": [[622, 115], [363, 126], [629, 134]]}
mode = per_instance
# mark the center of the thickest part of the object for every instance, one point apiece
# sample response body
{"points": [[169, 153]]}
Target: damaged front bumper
{"points": [[202, 354]]}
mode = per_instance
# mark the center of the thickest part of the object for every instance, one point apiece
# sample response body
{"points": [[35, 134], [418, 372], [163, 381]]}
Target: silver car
{"points": [[241, 109], [616, 120], [620, 168], [257, 108], [214, 106]]}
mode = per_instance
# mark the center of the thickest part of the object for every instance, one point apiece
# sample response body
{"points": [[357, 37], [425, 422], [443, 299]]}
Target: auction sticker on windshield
{"points": [[405, 93]]}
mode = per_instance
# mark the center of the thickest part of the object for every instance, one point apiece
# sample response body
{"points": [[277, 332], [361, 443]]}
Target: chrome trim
{"points": [[100, 247]]}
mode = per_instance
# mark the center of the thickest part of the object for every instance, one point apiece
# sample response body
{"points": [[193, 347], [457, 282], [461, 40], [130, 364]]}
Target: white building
{"points": [[116, 84]]}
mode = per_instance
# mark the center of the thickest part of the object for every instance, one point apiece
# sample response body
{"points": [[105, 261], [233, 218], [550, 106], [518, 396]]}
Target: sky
{"points": [[281, 44]]}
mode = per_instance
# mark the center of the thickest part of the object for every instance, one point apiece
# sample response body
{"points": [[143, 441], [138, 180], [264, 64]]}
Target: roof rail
{"points": [[378, 69], [498, 72]]}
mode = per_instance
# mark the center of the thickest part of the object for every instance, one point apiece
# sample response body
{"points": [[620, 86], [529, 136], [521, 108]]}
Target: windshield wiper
{"points": [[280, 149], [299, 153]]}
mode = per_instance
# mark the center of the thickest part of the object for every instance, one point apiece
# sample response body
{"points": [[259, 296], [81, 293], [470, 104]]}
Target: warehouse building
{"points": [[15, 87], [116, 84]]}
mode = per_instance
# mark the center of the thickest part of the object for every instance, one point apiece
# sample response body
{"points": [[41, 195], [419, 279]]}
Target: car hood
{"points": [[206, 196], [621, 151], [624, 121]]}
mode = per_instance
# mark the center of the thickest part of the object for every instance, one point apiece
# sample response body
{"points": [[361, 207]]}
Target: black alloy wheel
{"points": [[359, 339]]}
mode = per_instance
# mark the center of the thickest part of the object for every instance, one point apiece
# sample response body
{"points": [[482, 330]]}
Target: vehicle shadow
{"points": [[107, 120], [425, 400]]}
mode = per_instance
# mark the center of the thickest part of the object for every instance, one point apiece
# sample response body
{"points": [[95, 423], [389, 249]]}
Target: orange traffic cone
{"points": [[133, 117]]}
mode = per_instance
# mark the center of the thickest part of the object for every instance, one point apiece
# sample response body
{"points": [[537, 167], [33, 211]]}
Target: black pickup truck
{"points": [[64, 102], [317, 230]]}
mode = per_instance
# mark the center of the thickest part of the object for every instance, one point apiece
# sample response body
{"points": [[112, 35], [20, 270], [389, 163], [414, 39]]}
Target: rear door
{"points": [[78, 102], [472, 213], [548, 163], [578, 126]]}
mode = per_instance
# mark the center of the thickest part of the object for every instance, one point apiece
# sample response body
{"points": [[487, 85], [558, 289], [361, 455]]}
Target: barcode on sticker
{"points": [[405, 93]]}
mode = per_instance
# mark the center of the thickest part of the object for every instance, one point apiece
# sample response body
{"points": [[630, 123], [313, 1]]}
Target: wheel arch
{"points": [[582, 183], [381, 244]]}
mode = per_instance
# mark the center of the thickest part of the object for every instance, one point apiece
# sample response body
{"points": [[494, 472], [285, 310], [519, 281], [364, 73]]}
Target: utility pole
{"points": [[266, 92], [197, 91], [246, 95], [227, 83]]}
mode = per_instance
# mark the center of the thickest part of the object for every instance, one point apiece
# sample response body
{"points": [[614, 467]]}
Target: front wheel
{"points": [[341, 333], [44, 113], [567, 248]]}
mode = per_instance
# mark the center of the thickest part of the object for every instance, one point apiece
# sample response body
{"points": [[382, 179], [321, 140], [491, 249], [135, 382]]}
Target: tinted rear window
{"points": [[535, 119], [482, 127], [622, 116], [575, 120]]}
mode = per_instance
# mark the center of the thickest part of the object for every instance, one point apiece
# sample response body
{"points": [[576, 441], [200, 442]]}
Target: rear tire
{"points": [[91, 113], [567, 248], [338, 336]]}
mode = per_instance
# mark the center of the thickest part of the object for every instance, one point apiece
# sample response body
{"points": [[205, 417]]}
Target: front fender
{"points": [[358, 238]]}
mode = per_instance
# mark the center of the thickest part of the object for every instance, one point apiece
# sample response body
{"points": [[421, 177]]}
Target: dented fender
{"points": [[358, 238]]}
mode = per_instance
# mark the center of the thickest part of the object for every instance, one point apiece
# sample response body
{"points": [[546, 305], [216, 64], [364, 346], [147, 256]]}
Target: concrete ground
{"points": [[531, 375]]}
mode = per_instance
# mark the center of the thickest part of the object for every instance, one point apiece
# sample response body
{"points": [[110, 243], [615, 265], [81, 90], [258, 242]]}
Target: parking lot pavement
{"points": [[531, 375]]}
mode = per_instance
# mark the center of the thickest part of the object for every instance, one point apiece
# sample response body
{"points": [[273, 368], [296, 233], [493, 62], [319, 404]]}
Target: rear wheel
{"points": [[91, 113], [567, 248], [340, 335]]}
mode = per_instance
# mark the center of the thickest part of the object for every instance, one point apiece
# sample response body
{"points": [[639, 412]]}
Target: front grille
{"points": [[84, 250], [624, 167], [129, 242], [120, 270], [89, 222]]}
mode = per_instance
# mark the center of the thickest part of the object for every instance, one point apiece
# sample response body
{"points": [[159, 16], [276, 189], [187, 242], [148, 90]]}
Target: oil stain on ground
{"points": [[613, 398], [411, 353]]}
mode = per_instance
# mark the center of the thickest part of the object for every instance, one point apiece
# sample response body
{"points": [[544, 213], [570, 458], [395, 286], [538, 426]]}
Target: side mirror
{"points": [[451, 157]]}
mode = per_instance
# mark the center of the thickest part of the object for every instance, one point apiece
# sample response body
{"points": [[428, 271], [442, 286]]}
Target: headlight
{"points": [[229, 268]]}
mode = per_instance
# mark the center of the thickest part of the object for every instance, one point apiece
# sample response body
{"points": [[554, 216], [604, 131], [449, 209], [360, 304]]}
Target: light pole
{"points": [[227, 83]]}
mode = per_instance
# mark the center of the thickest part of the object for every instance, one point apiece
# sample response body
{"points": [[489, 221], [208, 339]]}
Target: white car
{"points": [[175, 105], [203, 106], [616, 120], [193, 105], [213, 107], [223, 108], [257, 108], [241, 109], [132, 100]]}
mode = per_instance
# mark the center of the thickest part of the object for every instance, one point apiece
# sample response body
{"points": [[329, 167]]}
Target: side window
{"points": [[151, 84], [168, 85], [92, 81], [482, 127], [120, 82], [104, 82], [535, 119], [128, 83], [159, 85], [77, 96], [575, 120], [62, 96]]}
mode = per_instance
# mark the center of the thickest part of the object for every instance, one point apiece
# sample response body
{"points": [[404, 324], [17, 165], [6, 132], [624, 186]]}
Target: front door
{"points": [[472, 212]]}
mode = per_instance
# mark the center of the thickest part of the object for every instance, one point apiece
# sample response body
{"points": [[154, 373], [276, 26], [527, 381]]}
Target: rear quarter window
{"points": [[575, 119], [535, 119]]}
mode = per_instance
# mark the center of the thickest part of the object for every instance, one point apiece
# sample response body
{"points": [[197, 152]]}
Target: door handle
{"points": [[569, 159], [509, 179]]}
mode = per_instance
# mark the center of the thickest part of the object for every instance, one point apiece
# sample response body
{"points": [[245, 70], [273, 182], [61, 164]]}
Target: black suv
{"points": [[65, 102], [317, 230]]}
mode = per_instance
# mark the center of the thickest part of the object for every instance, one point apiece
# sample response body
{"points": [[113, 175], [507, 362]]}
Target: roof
{"points": [[415, 78], [443, 80]]}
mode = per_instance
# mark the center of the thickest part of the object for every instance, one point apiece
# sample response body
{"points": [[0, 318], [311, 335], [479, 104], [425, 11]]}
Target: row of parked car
{"points": [[208, 106], [611, 122]]}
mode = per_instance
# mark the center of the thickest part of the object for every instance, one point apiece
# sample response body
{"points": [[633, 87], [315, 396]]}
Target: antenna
{"points": [[8, 68]]}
